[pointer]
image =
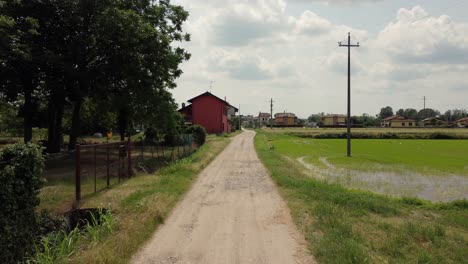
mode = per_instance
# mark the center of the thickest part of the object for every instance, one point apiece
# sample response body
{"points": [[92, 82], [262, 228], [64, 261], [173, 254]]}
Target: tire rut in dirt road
{"points": [[232, 214]]}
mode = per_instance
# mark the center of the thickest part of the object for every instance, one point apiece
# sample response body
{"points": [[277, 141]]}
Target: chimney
{"points": [[183, 105]]}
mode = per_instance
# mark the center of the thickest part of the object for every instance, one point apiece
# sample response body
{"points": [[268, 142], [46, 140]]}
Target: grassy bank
{"points": [[349, 226], [142, 203]]}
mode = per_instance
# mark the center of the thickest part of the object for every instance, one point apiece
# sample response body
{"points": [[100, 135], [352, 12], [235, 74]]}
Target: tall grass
{"points": [[59, 245]]}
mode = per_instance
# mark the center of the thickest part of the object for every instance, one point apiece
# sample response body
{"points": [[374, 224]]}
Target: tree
{"points": [[386, 112], [455, 114], [411, 113], [400, 112], [426, 113], [316, 118], [122, 52], [19, 57], [366, 120]]}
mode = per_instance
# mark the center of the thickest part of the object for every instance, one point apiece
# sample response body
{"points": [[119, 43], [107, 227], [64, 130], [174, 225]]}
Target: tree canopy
{"points": [[118, 55]]}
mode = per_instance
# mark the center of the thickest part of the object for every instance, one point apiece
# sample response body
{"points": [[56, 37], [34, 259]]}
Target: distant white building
{"points": [[264, 118]]}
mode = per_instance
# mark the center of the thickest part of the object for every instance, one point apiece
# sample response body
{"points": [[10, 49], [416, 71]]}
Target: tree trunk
{"points": [[123, 122], [55, 116], [75, 127], [27, 112]]}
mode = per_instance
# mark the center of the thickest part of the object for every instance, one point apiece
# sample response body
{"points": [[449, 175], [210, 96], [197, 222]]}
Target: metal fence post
{"points": [[77, 173], [119, 162], [108, 165], [94, 168], [129, 149]]}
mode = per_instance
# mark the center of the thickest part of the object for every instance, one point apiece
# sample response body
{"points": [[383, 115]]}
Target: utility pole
{"points": [[349, 45], [424, 98], [271, 113]]}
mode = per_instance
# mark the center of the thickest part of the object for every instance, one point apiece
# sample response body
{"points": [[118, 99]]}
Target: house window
{"points": [[402, 124], [410, 124]]}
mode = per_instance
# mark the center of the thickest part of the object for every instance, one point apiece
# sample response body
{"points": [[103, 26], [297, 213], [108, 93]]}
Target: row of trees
{"points": [[367, 120], [449, 115], [114, 59]]}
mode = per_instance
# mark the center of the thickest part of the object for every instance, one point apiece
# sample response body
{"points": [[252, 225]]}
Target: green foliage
{"points": [[386, 112], [199, 134], [20, 168], [349, 226], [10, 123], [56, 246], [59, 245], [75, 52]]}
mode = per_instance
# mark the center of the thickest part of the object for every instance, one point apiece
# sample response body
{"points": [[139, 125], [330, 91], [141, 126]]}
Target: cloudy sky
{"points": [[254, 50]]}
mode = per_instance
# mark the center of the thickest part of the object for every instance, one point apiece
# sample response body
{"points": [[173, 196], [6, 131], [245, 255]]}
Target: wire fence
{"points": [[91, 168], [99, 166]]}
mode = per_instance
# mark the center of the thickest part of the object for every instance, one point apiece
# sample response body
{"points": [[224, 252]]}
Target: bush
{"points": [[22, 164], [199, 134]]}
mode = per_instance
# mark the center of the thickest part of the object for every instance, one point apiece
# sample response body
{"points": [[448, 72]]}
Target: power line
{"points": [[349, 46]]}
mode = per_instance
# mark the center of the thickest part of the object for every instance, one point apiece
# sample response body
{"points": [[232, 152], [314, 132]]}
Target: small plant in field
{"points": [[56, 246], [100, 225], [59, 245]]}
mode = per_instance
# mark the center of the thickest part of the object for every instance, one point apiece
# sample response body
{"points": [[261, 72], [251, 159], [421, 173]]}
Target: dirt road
{"points": [[232, 214]]}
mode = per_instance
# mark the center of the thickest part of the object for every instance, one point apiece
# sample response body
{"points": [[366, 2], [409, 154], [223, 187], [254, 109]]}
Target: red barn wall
{"points": [[209, 112]]}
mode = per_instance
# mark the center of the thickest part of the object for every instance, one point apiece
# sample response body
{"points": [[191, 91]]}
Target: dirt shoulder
{"points": [[232, 214]]}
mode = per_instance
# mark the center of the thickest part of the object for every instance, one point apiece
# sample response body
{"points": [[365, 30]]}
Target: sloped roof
{"points": [[285, 115], [462, 119], [398, 118], [263, 114], [185, 107], [212, 95], [333, 115], [434, 118]]}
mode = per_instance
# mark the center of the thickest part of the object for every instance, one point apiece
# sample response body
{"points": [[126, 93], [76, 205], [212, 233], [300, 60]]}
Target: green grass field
{"points": [[435, 170], [428, 156], [345, 225], [373, 130]]}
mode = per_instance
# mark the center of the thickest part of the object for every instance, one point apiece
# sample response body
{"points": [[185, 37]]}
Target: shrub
{"points": [[199, 134], [19, 187]]}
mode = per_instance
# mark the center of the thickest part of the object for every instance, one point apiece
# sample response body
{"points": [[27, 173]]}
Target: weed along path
{"points": [[232, 214]]}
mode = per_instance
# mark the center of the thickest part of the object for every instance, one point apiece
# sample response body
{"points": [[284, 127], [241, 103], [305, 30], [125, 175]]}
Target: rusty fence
{"points": [[99, 166]]}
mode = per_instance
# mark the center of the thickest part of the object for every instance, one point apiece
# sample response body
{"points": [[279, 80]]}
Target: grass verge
{"points": [[349, 226], [142, 203]]}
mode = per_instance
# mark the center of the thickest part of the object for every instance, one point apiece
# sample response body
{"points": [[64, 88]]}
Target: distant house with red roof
{"points": [[209, 111], [462, 122], [398, 121]]}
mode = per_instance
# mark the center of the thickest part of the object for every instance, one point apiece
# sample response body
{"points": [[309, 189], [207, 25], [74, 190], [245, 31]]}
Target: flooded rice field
{"points": [[436, 188]]}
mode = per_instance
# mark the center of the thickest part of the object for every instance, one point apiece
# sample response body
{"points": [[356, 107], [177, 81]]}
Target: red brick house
{"points": [[209, 111]]}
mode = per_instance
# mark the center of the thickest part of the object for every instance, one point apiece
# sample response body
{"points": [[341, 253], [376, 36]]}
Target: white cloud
{"points": [[416, 37], [255, 50], [310, 23]]}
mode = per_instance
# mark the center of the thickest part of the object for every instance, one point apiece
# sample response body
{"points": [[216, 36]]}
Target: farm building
{"points": [[398, 121], [462, 122], [264, 118], [433, 122], [334, 120], [209, 111], [285, 119]]}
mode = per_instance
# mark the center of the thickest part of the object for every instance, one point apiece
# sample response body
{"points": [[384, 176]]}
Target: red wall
{"points": [[210, 113]]}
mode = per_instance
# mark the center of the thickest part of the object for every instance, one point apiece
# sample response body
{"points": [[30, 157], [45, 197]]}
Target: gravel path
{"points": [[232, 214]]}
